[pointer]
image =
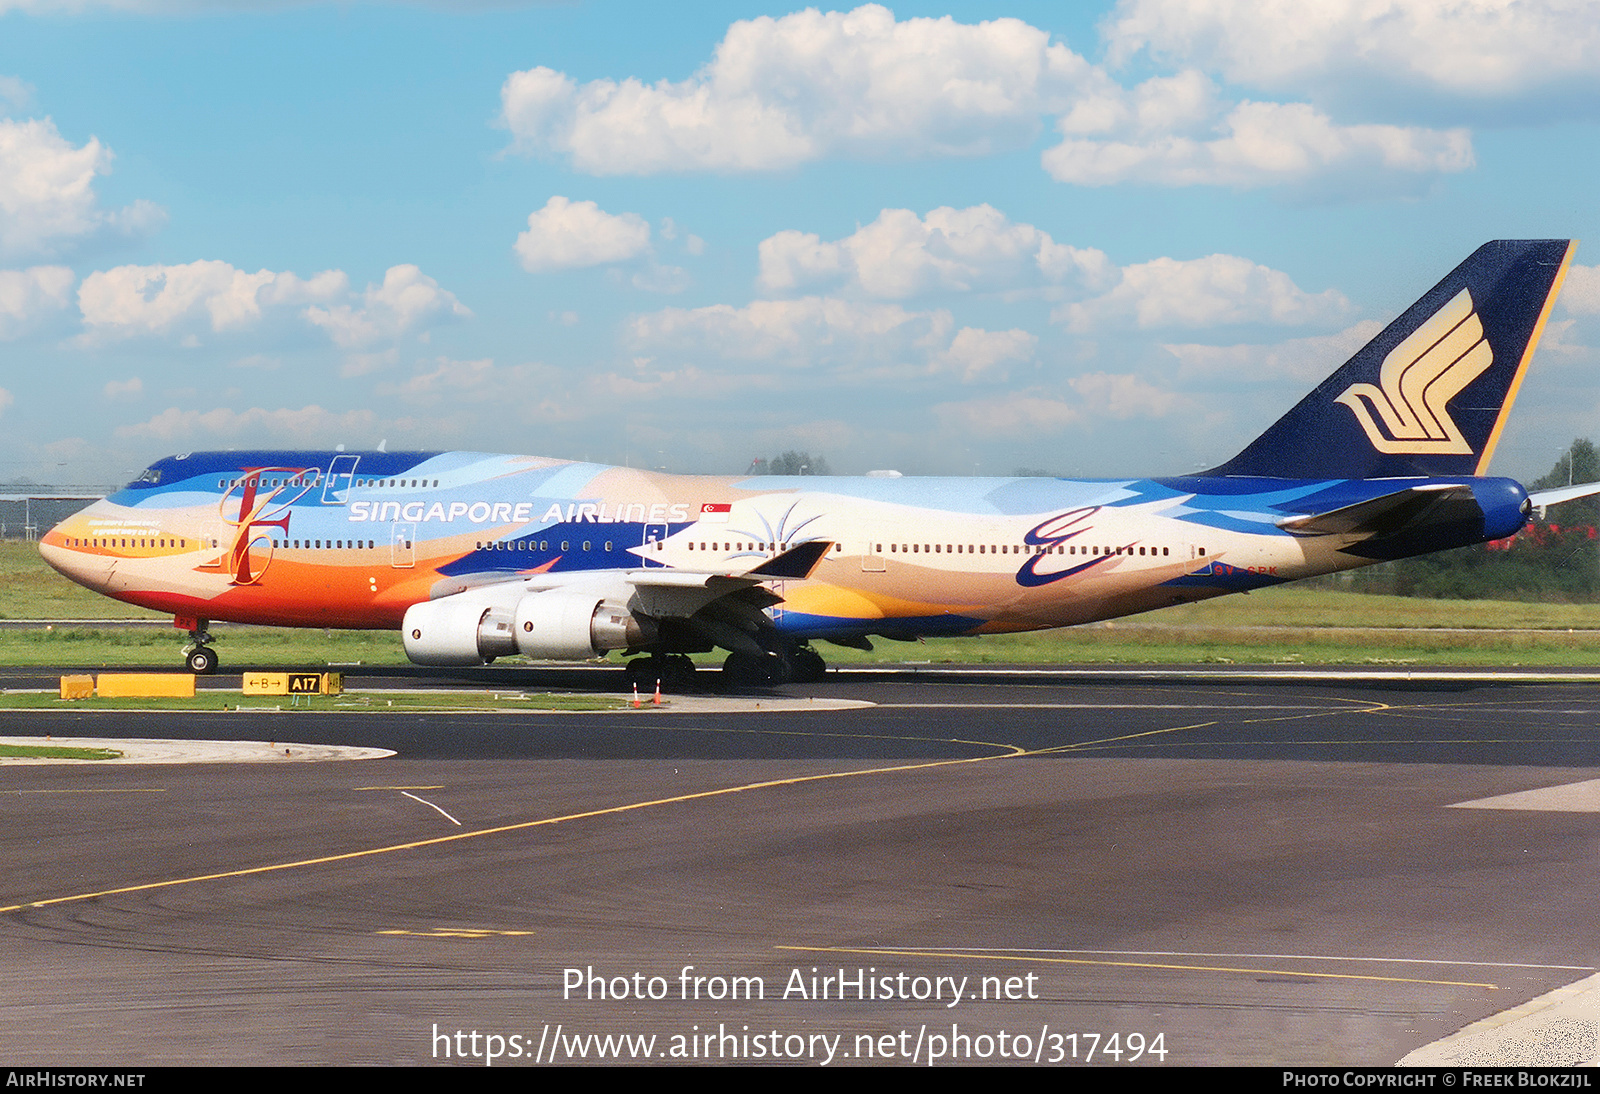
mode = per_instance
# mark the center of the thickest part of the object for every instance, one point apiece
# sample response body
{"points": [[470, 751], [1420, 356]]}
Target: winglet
{"points": [[795, 563]]}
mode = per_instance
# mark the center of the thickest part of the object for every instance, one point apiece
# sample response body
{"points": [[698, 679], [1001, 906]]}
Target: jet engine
{"points": [[554, 625]]}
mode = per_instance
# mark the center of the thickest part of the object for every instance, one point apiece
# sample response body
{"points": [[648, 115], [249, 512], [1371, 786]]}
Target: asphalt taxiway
{"points": [[992, 867]]}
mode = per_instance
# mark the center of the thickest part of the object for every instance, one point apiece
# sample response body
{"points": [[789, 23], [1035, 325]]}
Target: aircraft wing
{"points": [[681, 593], [1382, 516]]}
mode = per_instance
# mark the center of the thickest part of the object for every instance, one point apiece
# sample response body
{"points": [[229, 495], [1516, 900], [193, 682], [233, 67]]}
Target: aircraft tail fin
{"points": [[1430, 394]]}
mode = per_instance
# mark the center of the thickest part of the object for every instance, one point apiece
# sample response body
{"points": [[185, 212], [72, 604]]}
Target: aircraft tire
{"points": [[203, 661], [744, 670], [639, 672], [679, 675], [807, 667]]}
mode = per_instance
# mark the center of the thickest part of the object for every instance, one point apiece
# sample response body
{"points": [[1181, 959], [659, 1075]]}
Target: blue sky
{"points": [[943, 239]]}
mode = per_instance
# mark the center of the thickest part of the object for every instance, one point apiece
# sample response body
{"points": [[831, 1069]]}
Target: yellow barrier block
{"points": [[77, 687], [121, 685], [293, 683]]}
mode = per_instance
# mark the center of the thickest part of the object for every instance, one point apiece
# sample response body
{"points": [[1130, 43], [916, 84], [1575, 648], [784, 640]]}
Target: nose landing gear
{"points": [[198, 654]]}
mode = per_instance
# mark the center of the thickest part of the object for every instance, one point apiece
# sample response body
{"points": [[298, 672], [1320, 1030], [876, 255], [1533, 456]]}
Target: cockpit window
{"points": [[148, 477]]}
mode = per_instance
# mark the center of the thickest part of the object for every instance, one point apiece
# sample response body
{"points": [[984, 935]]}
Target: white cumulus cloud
{"points": [[901, 254], [1580, 293], [843, 336], [407, 300], [566, 235], [28, 296], [1095, 396], [204, 295], [47, 199], [1301, 359], [780, 92], [1202, 292], [1468, 48], [189, 300], [1179, 136]]}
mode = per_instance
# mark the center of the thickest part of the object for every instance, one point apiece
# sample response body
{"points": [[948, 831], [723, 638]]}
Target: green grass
{"points": [[1129, 644], [29, 589], [57, 752], [89, 647], [1309, 624]]}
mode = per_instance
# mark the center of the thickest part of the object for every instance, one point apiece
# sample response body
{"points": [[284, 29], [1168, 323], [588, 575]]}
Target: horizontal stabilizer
{"points": [[1383, 516], [1542, 499]]}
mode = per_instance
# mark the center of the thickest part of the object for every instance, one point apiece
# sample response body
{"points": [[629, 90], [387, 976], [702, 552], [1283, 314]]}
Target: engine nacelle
{"points": [[455, 631], [554, 625], [574, 626]]}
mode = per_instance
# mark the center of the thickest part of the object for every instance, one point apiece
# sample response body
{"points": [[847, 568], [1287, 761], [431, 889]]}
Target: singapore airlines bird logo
{"points": [[1419, 378]]}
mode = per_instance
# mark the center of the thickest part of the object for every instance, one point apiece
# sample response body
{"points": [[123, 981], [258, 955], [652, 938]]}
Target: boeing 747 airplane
{"points": [[476, 556]]}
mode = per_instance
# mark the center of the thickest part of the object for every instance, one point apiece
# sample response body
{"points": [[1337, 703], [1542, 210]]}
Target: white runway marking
{"points": [[430, 805], [1583, 797], [1557, 1029]]}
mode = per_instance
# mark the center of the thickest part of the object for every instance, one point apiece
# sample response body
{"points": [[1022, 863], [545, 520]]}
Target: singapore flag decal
{"points": [[1419, 378], [713, 512]]}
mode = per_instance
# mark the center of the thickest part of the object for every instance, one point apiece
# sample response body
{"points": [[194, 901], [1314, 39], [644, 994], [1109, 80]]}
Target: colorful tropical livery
{"points": [[476, 556]]}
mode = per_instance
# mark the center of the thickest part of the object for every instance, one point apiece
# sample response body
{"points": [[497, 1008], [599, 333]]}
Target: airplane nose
{"points": [[89, 568]]}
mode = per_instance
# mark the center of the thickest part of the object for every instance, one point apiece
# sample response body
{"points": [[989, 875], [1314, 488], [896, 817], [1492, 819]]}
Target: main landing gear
{"points": [[674, 670], [198, 654], [794, 665]]}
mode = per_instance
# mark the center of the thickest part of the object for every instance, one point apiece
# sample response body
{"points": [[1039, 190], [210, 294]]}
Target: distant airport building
{"points": [[26, 508]]}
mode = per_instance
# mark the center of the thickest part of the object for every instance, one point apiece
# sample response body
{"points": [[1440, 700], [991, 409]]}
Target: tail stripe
{"points": [[1527, 356]]}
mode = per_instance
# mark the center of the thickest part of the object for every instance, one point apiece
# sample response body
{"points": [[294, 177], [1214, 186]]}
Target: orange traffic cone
{"points": [[636, 695], [658, 692]]}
